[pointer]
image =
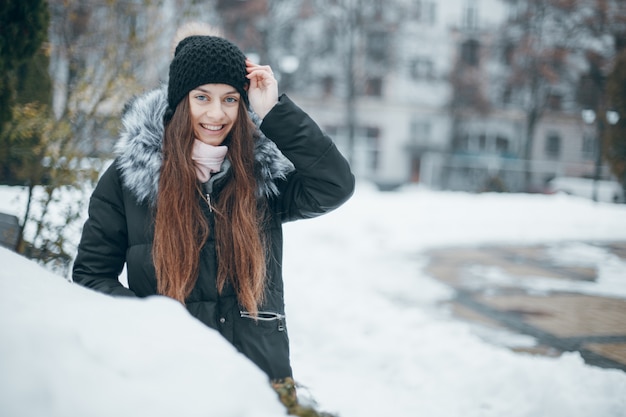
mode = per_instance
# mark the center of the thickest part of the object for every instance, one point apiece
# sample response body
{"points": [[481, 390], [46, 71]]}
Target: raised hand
{"points": [[263, 90]]}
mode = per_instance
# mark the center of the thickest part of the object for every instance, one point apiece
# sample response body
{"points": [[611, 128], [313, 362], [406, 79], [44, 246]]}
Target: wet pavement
{"points": [[503, 289]]}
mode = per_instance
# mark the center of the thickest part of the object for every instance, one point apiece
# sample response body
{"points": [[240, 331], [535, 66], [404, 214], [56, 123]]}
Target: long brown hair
{"points": [[181, 228]]}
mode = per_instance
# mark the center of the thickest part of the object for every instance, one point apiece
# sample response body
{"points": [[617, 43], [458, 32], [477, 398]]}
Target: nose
{"points": [[214, 110]]}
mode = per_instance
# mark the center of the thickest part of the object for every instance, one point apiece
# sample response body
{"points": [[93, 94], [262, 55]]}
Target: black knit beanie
{"points": [[200, 60]]}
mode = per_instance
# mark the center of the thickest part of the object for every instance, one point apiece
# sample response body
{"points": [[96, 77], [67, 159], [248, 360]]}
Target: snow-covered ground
{"points": [[369, 335]]}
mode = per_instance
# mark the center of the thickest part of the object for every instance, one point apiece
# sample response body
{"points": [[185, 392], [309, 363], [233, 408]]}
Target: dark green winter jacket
{"points": [[300, 174]]}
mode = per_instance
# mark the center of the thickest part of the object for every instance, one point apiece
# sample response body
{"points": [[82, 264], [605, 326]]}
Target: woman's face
{"points": [[214, 109]]}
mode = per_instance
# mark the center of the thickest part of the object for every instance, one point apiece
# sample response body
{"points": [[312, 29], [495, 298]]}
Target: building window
{"points": [[507, 96], [330, 41], [508, 54], [372, 137], [502, 145], [469, 52], [379, 8], [422, 69], [374, 87], [553, 145], [377, 46], [554, 101], [470, 15], [419, 132], [461, 142], [482, 142], [328, 85], [425, 12], [514, 10], [589, 146]]}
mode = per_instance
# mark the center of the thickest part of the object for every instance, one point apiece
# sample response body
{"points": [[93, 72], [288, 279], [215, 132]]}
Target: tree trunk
{"points": [[19, 247], [531, 123]]}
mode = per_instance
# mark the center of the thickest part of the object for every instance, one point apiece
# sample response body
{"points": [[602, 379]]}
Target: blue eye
{"points": [[201, 97], [231, 99]]}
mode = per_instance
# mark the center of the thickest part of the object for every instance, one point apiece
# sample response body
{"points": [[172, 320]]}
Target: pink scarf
{"points": [[208, 159]]}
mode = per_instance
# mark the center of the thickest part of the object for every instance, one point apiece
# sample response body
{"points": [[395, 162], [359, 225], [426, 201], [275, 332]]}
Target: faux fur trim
{"points": [[139, 149]]}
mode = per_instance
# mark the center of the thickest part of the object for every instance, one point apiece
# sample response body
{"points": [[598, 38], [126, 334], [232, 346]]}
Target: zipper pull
{"points": [[208, 200]]}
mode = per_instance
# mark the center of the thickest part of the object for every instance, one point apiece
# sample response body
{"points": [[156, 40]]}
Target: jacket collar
{"points": [[139, 149]]}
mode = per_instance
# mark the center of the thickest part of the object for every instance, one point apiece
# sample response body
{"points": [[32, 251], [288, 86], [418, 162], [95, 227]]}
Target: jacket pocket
{"points": [[268, 317], [263, 339]]}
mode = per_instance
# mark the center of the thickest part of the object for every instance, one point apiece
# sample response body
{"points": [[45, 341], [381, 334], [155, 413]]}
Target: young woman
{"points": [[195, 200]]}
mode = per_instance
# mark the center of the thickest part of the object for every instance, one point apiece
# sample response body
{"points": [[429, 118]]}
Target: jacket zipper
{"points": [[266, 316], [208, 201]]}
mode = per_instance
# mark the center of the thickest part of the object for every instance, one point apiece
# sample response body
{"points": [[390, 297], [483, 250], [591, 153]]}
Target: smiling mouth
{"points": [[212, 127]]}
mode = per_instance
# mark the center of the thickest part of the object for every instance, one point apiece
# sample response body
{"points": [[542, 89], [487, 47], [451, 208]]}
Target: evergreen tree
{"points": [[23, 78], [23, 29]]}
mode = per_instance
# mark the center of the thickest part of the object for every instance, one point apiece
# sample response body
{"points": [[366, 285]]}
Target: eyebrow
{"points": [[233, 91]]}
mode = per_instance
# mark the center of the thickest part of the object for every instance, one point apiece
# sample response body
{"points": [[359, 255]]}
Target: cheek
{"points": [[193, 114], [233, 114]]}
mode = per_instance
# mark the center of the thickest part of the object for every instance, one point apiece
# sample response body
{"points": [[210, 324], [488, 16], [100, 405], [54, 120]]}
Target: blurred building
{"points": [[411, 90]]}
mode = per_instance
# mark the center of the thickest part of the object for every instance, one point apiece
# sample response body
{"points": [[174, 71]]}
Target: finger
{"points": [[251, 66], [261, 77], [261, 73]]}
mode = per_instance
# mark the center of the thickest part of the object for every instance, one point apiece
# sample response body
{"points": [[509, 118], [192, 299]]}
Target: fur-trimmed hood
{"points": [[140, 154]]}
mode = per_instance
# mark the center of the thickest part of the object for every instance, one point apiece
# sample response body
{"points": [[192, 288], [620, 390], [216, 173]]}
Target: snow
{"points": [[68, 351], [369, 334]]}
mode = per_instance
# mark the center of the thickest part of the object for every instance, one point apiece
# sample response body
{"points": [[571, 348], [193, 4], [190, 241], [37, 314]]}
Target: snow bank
{"points": [[68, 351]]}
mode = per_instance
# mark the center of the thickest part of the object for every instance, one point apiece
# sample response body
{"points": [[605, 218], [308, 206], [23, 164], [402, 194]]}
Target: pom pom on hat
{"points": [[205, 59]]}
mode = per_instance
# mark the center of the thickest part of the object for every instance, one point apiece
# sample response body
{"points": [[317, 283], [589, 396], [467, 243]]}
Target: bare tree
{"points": [[96, 50], [545, 46]]}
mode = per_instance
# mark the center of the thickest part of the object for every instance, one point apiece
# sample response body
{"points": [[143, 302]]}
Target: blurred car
{"points": [[608, 191]]}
